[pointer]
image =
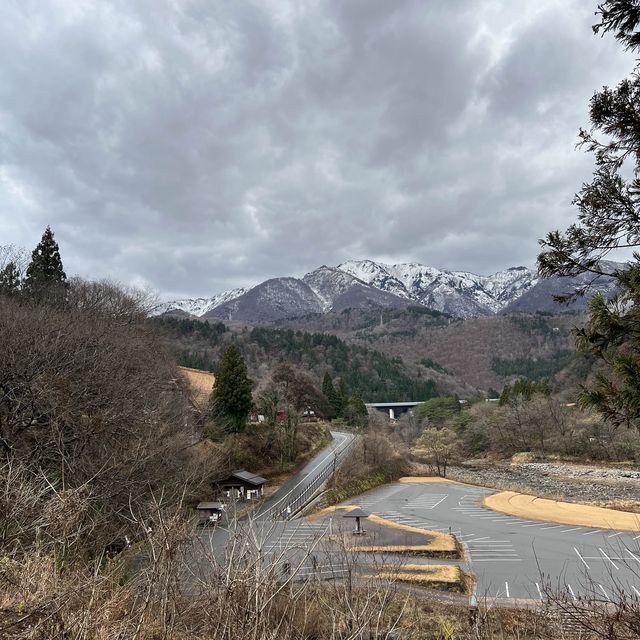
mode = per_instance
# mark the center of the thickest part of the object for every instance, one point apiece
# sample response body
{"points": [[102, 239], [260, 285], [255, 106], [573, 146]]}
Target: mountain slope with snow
{"points": [[199, 306], [365, 284]]}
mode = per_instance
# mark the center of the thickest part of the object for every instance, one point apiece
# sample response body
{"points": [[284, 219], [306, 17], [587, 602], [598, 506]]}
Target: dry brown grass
{"points": [[448, 577], [427, 480], [630, 506], [440, 542], [199, 385], [545, 510]]}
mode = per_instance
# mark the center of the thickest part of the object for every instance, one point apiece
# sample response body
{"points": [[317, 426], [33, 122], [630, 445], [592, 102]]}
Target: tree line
{"points": [[368, 374]]}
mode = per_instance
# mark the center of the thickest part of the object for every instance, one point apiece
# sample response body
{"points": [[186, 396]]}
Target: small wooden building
{"points": [[210, 512], [241, 485]]}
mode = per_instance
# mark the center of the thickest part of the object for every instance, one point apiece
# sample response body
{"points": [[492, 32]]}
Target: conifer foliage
{"points": [[231, 400], [45, 277], [608, 214], [9, 279]]}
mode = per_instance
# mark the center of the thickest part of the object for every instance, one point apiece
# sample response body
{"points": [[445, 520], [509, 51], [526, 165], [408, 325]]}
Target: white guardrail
{"points": [[297, 497]]}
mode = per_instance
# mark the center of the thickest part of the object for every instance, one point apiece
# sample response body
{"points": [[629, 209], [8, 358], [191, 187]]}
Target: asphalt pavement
{"points": [[513, 557], [299, 489]]}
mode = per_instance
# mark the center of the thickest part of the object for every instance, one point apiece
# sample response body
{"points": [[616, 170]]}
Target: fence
{"points": [[290, 504]]}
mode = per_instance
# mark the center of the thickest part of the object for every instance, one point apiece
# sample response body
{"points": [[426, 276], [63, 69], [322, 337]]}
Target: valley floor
{"points": [[605, 486]]}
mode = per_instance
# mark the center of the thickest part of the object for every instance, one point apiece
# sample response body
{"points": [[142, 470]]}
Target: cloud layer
{"points": [[194, 146]]}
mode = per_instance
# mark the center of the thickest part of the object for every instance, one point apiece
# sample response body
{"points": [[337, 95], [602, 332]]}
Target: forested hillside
{"points": [[479, 353], [367, 372]]}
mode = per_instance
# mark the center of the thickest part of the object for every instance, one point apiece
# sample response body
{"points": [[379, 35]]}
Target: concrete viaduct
{"points": [[392, 407]]}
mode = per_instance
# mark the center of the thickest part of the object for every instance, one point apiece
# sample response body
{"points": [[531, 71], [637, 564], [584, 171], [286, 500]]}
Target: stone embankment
{"points": [[560, 481]]}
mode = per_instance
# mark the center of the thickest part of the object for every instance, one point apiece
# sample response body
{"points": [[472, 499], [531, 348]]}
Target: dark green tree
{"points": [[608, 220], [437, 410], [45, 278], [9, 279], [522, 390], [356, 413], [332, 396], [231, 399], [342, 398]]}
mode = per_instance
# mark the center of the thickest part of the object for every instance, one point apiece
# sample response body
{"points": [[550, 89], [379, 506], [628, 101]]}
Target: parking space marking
{"points": [[615, 566], [581, 558], [605, 593], [592, 532], [573, 595], [429, 501], [633, 555], [539, 590]]}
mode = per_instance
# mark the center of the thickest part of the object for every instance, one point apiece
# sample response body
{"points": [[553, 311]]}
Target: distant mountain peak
{"points": [[366, 284]]}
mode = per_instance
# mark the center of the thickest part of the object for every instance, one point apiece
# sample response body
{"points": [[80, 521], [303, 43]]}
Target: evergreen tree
{"points": [[45, 277], [608, 214], [231, 399], [342, 398], [9, 279], [330, 394], [356, 413]]}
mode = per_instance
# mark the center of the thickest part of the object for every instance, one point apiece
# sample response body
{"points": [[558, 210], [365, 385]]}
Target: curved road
{"points": [[299, 490]]}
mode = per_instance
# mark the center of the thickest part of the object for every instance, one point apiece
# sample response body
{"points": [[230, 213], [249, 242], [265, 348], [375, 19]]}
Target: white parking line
{"points": [[557, 526], [539, 591], [633, 555], [615, 566], [581, 558], [573, 595], [605, 593], [506, 587], [614, 535], [567, 530], [591, 532], [497, 559], [635, 590]]}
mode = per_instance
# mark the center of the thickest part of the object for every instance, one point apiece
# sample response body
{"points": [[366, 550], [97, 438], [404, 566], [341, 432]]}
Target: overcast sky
{"points": [[192, 146]]}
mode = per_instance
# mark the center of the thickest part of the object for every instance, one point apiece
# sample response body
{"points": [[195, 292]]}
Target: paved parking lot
{"points": [[512, 557]]}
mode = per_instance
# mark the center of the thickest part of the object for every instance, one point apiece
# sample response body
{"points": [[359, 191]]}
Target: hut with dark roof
{"points": [[241, 485]]}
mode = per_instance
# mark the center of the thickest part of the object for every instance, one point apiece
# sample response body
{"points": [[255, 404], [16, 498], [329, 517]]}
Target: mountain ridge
{"points": [[366, 284]]}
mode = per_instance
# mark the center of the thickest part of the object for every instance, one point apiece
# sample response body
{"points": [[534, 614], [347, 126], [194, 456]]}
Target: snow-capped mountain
{"points": [[199, 306], [364, 284], [458, 293]]}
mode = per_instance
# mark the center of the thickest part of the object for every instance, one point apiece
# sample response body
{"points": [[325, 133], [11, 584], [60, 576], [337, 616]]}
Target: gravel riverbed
{"points": [[572, 483]]}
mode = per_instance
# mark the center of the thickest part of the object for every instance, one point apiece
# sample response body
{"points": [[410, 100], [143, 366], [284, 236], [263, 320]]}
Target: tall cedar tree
{"points": [[330, 393], [609, 219], [9, 279], [45, 277], [231, 399]]}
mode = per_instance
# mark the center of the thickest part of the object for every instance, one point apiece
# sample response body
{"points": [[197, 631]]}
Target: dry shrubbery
{"points": [[378, 457], [546, 427], [92, 419]]}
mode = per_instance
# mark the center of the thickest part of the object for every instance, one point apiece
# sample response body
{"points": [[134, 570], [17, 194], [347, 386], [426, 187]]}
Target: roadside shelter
{"points": [[210, 512], [241, 485]]}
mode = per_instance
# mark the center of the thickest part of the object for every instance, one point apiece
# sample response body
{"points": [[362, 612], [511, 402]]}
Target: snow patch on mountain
{"points": [[459, 293], [367, 284], [199, 306], [329, 283]]}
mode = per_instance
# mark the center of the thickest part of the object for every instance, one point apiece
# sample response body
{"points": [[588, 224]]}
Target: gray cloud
{"points": [[196, 146]]}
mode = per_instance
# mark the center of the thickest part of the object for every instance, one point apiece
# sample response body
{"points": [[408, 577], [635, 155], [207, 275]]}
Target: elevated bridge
{"points": [[392, 407]]}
